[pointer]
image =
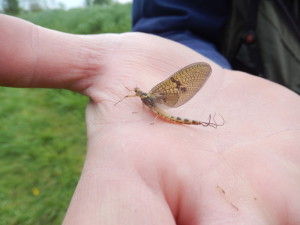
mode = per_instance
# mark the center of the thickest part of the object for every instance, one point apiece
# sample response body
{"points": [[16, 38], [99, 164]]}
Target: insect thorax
{"points": [[147, 100]]}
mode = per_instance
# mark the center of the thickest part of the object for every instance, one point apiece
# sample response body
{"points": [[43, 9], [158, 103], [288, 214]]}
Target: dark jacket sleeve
{"points": [[197, 24]]}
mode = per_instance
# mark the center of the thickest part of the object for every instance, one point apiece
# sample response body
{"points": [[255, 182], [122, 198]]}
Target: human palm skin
{"points": [[136, 172]]}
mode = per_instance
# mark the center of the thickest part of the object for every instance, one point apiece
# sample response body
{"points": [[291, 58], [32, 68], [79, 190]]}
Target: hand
{"points": [[244, 172]]}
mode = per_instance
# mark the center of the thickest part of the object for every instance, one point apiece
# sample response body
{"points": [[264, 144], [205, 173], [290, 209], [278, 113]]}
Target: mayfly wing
{"points": [[182, 85]]}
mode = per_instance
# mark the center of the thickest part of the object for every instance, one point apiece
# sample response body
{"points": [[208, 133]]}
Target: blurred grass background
{"points": [[42, 132]]}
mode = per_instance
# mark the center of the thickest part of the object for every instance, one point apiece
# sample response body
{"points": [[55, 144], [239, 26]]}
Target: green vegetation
{"points": [[42, 132], [42, 141], [113, 18], [11, 6]]}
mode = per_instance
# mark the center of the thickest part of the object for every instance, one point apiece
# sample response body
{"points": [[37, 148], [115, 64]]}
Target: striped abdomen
{"points": [[174, 119]]}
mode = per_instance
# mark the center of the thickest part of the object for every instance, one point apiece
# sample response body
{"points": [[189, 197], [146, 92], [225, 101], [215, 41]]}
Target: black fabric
{"points": [[262, 37]]}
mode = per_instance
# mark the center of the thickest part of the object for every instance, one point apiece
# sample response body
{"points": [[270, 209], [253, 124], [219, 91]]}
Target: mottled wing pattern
{"points": [[181, 86]]}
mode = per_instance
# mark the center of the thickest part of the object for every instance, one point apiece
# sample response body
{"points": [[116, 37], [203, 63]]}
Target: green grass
{"points": [[42, 132], [43, 144], [115, 18]]}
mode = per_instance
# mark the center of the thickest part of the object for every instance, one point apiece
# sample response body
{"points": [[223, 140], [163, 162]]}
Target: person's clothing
{"points": [[197, 24]]}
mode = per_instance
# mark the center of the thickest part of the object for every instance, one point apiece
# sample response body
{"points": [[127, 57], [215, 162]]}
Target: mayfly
{"points": [[175, 91]]}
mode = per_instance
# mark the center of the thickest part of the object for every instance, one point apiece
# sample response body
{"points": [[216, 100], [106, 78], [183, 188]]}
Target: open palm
{"points": [[136, 172]]}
